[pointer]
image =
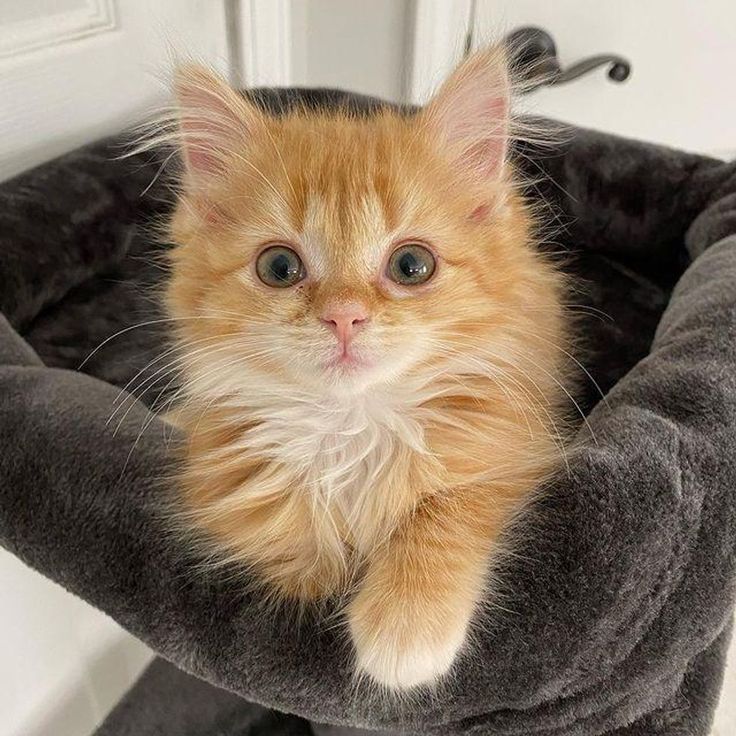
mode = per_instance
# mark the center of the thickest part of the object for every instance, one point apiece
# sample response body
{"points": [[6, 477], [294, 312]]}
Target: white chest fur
{"points": [[341, 450]]}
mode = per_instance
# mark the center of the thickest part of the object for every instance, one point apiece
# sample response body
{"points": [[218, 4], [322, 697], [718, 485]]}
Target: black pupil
{"points": [[283, 267], [410, 266]]}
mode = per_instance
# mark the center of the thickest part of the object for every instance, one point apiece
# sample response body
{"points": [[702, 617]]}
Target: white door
{"points": [[75, 70], [72, 71], [683, 58]]}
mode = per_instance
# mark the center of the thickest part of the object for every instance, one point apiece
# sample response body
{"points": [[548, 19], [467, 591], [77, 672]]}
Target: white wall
{"points": [[63, 665]]}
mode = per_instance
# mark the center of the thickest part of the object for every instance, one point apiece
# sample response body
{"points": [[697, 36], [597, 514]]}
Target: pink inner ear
{"points": [[486, 158], [212, 120], [200, 159], [471, 111]]}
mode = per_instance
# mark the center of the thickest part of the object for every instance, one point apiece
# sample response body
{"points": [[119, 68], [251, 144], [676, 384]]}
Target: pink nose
{"points": [[345, 320]]}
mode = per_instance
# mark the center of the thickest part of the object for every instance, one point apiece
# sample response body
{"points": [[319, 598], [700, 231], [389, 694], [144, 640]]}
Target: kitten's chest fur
{"points": [[352, 459], [304, 487]]}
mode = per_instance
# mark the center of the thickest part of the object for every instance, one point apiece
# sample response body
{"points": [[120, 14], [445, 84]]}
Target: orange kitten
{"points": [[370, 354]]}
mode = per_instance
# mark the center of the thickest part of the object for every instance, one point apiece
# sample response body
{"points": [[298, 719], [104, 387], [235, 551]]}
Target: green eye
{"points": [[280, 267], [411, 264]]}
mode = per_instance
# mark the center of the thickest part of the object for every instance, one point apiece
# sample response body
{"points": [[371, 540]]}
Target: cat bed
{"points": [[614, 617]]}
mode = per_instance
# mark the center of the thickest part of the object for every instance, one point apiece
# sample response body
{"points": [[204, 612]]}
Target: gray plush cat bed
{"points": [[615, 616]]}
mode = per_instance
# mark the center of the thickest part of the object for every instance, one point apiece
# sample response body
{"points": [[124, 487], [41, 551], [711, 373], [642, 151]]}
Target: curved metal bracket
{"points": [[535, 52]]}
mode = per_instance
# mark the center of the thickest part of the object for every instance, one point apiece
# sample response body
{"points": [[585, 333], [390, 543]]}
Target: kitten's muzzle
{"points": [[345, 320]]}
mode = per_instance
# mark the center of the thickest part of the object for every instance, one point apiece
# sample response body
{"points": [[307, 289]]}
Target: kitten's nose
{"points": [[345, 320]]}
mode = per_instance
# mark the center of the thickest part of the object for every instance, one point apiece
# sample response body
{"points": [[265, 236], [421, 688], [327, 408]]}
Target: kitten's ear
{"points": [[469, 115], [213, 121]]}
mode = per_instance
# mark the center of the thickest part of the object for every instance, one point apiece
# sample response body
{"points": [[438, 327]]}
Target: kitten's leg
{"points": [[410, 618], [296, 557]]}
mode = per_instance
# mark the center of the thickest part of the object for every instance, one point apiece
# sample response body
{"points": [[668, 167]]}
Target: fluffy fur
{"points": [[392, 481]]}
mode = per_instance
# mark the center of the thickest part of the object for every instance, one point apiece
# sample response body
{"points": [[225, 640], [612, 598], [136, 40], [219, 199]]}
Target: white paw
{"points": [[401, 655]]}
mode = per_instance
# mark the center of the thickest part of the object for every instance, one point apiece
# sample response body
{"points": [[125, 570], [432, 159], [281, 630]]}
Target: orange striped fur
{"points": [[390, 483]]}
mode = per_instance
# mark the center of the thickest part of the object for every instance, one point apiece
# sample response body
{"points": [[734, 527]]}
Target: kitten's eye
{"points": [[279, 266], [411, 264]]}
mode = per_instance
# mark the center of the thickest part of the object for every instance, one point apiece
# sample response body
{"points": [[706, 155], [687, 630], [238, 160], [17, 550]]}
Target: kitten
{"points": [[372, 354]]}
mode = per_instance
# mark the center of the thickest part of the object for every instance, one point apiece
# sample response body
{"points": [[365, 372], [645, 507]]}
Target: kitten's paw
{"points": [[401, 646]]}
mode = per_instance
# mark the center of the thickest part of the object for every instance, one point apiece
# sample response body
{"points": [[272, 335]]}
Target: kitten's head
{"points": [[329, 250]]}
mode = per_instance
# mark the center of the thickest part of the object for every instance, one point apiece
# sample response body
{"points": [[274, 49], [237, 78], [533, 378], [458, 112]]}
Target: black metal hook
{"points": [[535, 51]]}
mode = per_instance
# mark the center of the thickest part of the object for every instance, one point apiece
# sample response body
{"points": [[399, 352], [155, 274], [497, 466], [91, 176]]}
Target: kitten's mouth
{"points": [[346, 360]]}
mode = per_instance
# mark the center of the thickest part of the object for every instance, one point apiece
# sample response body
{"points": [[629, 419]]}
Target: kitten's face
{"points": [[329, 251]]}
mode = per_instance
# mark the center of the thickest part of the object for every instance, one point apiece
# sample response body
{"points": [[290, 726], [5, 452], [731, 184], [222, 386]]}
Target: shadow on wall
{"points": [[83, 703]]}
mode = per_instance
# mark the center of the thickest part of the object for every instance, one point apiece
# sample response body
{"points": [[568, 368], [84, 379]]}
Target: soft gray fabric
{"points": [[616, 613], [167, 702]]}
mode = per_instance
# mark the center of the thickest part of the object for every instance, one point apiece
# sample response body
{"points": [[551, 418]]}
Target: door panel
{"points": [[683, 57], [75, 70]]}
